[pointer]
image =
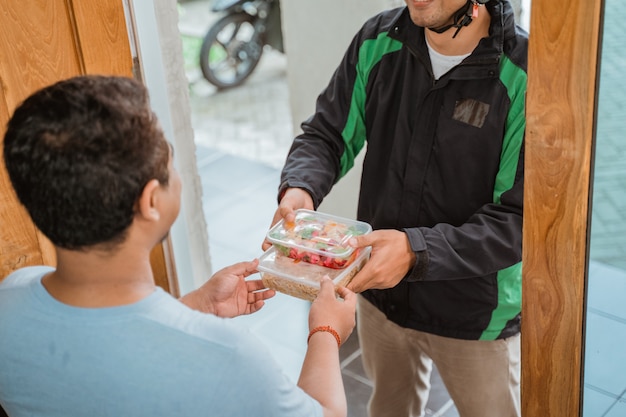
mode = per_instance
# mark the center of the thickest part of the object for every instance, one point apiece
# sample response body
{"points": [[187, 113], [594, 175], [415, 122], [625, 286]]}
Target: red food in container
{"points": [[318, 238]]}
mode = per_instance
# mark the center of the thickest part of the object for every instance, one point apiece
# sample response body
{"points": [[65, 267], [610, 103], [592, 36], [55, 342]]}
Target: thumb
{"points": [[326, 286], [360, 241], [288, 214]]}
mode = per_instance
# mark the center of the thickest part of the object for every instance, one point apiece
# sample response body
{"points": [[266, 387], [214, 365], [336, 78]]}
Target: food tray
{"points": [[301, 279], [318, 238]]}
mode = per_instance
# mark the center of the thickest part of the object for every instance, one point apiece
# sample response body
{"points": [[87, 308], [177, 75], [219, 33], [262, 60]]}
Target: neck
{"points": [[466, 39], [95, 279]]}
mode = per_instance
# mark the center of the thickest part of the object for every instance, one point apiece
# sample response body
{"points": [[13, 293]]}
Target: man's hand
{"points": [[293, 199], [228, 294], [391, 259]]}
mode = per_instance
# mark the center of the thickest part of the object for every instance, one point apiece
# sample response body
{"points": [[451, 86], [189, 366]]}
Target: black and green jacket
{"points": [[444, 163]]}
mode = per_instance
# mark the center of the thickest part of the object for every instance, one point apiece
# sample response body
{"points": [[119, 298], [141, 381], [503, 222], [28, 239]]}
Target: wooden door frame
{"points": [[561, 103]]}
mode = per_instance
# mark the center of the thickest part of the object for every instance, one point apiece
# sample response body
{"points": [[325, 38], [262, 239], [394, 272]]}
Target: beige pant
{"points": [[482, 377]]}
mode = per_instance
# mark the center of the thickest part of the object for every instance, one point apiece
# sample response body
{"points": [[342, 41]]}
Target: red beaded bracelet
{"points": [[325, 329]]}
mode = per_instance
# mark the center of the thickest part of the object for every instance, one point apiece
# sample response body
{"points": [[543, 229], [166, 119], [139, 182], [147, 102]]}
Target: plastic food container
{"points": [[318, 238], [301, 279]]}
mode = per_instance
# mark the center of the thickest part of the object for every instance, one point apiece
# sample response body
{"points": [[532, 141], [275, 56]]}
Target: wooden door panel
{"points": [[562, 70], [29, 60], [19, 243], [43, 41], [37, 47], [103, 37]]}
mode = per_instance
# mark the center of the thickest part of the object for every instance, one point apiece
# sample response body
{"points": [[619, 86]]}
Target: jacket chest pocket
{"points": [[471, 112]]}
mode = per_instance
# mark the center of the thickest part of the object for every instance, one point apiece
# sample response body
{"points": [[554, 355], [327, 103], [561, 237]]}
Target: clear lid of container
{"points": [[314, 234]]}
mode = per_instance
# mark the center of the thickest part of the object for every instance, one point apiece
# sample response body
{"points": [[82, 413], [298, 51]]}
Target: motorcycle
{"points": [[233, 45]]}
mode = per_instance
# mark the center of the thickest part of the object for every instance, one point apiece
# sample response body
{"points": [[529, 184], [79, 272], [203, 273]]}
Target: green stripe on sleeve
{"points": [[509, 279], [514, 79], [354, 134], [509, 301]]}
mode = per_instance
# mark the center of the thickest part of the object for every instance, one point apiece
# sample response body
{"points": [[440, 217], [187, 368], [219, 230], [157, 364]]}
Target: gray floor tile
{"points": [[606, 289], [205, 155], [439, 402], [223, 255], [359, 394], [356, 370], [618, 410], [349, 346], [239, 200], [597, 403], [605, 356], [229, 180]]}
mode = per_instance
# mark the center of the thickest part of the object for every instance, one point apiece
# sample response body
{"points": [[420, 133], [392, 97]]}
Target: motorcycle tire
{"points": [[231, 50]]}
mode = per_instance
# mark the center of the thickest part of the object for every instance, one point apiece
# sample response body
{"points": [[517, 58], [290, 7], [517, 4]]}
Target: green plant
{"points": [[191, 51]]}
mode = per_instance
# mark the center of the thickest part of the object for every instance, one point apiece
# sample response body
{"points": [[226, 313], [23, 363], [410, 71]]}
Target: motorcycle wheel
{"points": [[231, 50]]}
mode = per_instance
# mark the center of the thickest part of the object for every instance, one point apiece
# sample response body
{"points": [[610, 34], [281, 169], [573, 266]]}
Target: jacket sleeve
{"points": [[326, 149], [491, 239]]}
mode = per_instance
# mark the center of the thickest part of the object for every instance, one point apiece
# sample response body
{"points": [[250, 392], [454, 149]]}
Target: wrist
{"points": [[196, 301], [282, 190], [325, 329]]}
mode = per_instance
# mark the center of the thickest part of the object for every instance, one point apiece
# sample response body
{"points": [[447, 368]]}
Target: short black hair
{"points": [[79, 153]]}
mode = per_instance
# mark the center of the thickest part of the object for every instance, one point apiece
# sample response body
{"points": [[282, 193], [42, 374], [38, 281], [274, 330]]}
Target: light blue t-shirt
{"points": [[152, 358]]}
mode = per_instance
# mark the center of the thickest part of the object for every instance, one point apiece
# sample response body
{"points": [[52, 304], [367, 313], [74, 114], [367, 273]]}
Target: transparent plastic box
{"points": [[301, 279], [318, 238]]}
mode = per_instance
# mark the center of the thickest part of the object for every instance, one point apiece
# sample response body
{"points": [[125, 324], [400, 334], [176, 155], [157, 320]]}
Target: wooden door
{"points": [[43, 41], [562, 83]]}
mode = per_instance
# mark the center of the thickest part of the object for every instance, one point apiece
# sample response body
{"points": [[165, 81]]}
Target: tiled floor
{"points": [[605, 356]]}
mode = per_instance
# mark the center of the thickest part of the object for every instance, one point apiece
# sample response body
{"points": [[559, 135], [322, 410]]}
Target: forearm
{"points": [[312, 166], [326, 149], [321, 375], [483, 245]]}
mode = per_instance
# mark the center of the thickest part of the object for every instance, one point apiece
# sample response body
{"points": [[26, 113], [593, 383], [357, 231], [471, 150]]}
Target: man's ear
{"points": [[147, 204]]}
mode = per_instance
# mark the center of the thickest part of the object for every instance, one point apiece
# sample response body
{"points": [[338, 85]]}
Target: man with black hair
{"points": [[94, 336], [436, 92]]}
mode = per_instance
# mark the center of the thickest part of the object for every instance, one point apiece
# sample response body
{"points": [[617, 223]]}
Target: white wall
{"points": [[317, 34], [154, 25]]}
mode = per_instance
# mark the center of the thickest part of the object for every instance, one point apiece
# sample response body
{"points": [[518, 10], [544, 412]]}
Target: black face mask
{"points": [[461, 17]]}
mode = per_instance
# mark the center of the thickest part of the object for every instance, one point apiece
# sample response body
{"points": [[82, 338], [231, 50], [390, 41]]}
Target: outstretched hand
{"points": [[292, 200], [228, 294], [390, 260]]}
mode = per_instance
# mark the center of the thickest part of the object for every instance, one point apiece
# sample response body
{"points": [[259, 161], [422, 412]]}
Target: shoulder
{"points": [[164, 314], [24, 277], [514, 38], [516, 48], [386, 19], [377, 37], [380, 23]]}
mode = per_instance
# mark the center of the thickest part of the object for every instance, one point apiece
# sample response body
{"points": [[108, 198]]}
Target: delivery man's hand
{"points": [[391, 259], [293, 199]]}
